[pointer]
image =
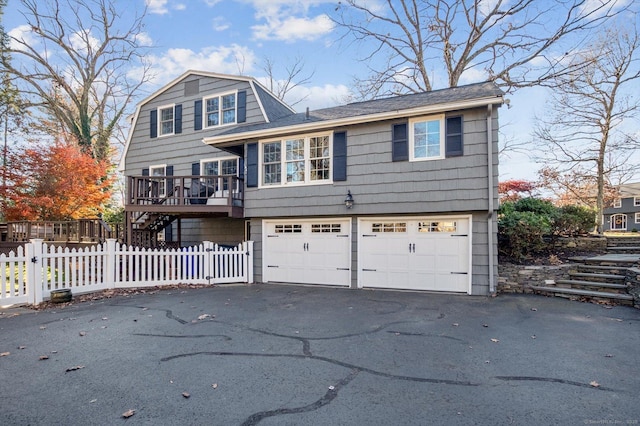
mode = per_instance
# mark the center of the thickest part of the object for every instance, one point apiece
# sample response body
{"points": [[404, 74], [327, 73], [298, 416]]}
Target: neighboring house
{"points": [[624, 215], [390, 193]]}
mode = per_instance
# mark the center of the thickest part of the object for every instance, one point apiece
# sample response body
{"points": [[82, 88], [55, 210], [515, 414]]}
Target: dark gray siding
{"points": [[380, 186], [628, 208], [181, 150]]}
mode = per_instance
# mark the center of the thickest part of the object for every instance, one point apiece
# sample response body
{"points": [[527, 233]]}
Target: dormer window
{"points": [[220, 110]]}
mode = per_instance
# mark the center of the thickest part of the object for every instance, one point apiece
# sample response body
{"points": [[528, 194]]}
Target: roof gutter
{"points": [[327, 124]]}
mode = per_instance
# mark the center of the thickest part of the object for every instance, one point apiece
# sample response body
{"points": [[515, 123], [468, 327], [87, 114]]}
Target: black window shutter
{"points": [[169, 172], [252, 165], [145, 172], [195, 169], [242, 107], [400, 143], [177, 121], [340, 156], [197, 115], [454, 146], [241, 167], [168, 232], [153, 126]]}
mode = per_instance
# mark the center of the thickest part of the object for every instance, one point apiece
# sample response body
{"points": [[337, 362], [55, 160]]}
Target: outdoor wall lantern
{"points": [[348, 202]]}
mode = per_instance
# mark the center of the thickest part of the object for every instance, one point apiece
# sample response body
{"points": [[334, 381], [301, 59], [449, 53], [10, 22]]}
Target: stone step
{"points": [[612, 277], [600, 268], [585, 293], [624, 247], [580, 283]]}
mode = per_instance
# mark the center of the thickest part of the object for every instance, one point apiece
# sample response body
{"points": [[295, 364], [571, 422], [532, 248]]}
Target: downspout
{"points": [[490, 218]]}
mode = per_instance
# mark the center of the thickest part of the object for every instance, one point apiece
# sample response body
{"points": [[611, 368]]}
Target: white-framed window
{"points": [[158, 186], [636, 201], [166, 115], [617, 203], [304, 159], [426, 138], [637, 217], [220, 110], [223, 166], [619, 222]]}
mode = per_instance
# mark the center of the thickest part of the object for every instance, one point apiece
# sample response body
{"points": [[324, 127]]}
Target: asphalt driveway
{"points": [[291, 355]]}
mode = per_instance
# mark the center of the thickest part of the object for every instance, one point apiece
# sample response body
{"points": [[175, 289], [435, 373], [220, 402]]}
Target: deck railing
{"points": [[225, 190], [76, 231]]}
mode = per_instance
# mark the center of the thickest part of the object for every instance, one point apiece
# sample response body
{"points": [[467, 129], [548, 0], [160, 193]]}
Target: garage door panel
{"points": [[308, 251], [415, 253]]}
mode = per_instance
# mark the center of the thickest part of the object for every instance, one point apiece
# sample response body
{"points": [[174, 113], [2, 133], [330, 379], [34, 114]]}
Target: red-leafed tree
{"points": [[515, 189], [55, 182]]}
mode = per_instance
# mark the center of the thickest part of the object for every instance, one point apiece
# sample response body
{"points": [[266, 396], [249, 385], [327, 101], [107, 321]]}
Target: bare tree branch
{"points": [[583, 128], [511, 42], [79, 70]]}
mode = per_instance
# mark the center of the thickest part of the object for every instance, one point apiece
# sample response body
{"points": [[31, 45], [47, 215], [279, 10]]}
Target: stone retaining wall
{"points": [[587, 244], [519, 278]]}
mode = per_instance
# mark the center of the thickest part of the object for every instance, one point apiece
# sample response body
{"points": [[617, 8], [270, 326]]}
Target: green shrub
{"points": [[521, 233], [574, 220]]}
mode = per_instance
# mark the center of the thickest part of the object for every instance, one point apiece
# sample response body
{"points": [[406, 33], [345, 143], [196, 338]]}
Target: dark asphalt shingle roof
{"points": [[378, 106]]}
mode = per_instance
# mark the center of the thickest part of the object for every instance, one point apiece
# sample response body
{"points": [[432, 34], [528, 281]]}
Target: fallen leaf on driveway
{"points": [[485, 325], [43, 357], [533, 337], [594, 384], [22, 347], [128, 413], [215, 386], [5, 353], [204, 316], [608, 356], [42, 327], [83, 333], [77, 367], [534, 309], [455, 324], [495, 340], [186, 394]]}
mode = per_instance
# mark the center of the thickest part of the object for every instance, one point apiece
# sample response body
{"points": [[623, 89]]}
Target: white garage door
{"points": [[307, 251], [415, 253]]}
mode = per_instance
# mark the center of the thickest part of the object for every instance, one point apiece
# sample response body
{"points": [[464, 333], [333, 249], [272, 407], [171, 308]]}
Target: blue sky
{"points": [[234, 36]]}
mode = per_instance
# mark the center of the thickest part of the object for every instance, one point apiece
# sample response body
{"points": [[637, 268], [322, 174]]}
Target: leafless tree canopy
{"points": [[512, 42], [584, 131], [294, 76], [75, 61]]}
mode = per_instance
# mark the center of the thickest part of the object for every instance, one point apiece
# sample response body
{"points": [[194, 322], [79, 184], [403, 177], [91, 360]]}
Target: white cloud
{"points": [[220, 24], [23, 33], [161, 7], [317, 97], [144, 39], [288, 20], [599, 8], [292, 29], [80, 41], [233, 59], [473, 75], [158, 7], [211, 3]]}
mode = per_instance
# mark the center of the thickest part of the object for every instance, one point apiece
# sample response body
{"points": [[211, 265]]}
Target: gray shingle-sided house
{"points": [[392, 193], [624, 214]]}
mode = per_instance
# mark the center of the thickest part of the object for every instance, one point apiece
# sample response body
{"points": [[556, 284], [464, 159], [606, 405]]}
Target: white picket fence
{"points": [[29, 274]]}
